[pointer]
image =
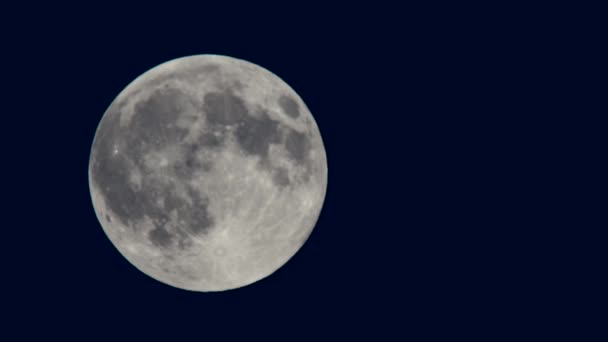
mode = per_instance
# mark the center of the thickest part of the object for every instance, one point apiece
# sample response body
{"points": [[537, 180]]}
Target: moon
{"points": [[208, 173]]}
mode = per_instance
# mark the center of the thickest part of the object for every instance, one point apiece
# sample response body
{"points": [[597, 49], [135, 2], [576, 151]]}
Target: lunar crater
{"points": [[289, 106]]}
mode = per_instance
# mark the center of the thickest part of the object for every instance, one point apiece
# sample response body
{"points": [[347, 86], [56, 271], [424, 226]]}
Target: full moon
{"points": [[207, 173]]}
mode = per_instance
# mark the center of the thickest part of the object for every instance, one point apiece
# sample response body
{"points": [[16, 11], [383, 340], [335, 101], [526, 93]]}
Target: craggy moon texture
{"points": [[208, 173]]}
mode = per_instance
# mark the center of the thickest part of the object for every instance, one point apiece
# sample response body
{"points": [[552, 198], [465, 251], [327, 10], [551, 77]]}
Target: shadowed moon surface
{"points": [[208, 173]]}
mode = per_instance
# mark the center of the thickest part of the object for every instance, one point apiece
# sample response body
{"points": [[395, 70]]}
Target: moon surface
{"points": [[208, 173]]}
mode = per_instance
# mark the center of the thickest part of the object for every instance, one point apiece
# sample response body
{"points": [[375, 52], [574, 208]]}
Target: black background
{"points": [[428, 120]]}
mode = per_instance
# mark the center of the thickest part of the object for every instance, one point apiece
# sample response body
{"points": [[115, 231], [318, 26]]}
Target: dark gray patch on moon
{"points": [[153, 123], [255, 135], [186, 168], [280, 177], [189, 164], [223, 108], [160, 237], [289, 106], [197, 216], [297, 145], [111, 173], [210, 140]]}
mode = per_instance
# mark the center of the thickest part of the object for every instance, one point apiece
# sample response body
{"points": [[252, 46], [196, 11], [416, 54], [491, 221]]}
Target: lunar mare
{"points": [[208, 173]]}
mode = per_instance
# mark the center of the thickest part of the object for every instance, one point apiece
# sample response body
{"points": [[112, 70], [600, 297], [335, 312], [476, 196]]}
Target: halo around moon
{"points": [[208, 173]]}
